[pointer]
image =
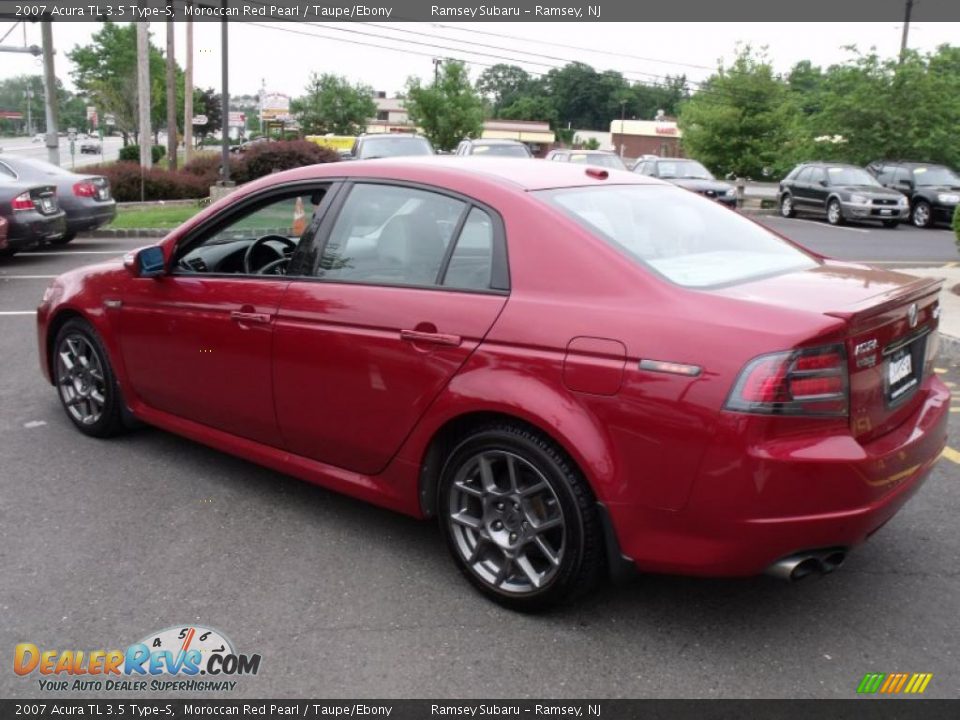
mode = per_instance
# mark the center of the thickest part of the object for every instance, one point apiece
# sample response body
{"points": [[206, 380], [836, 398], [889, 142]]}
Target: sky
{"points": [[284, 54]]}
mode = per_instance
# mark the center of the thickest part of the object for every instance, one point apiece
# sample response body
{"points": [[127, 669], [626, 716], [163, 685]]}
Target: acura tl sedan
{"points": [[576, 371]]}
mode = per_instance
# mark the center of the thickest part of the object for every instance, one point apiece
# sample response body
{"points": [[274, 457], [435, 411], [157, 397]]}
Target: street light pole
{"points": [[143, 93], [50, 93], [224, 101], [188, 96], [29, 94], [906, 29], [171, 93]]}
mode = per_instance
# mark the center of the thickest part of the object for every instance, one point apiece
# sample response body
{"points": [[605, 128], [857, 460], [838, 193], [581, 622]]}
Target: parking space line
{"points": [[18, 312], [810, 223], [952, 455]]}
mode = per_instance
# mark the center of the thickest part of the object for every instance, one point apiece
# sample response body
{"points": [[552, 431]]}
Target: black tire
{"points": [[835, 212], [922, 214], [787, 208], [579, 558], [110, 421], [7, 252], [892, 224], [64, 239]]}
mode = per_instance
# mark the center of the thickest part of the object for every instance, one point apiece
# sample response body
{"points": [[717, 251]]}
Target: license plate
{"points": [[900, 373], [103, 194], [886, 212], [47, 204]]}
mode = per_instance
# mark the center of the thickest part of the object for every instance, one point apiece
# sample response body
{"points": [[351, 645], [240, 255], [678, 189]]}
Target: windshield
{"points": [[394, 146], [504, 150], [691, 241], [598, 159], [935, 176], [851, 176], [683, 169]]}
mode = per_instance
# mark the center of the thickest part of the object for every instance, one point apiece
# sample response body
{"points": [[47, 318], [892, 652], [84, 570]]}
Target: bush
{"points": [[956, 224], [264, 158], [131, 153], [158, 184], [206, 165]]}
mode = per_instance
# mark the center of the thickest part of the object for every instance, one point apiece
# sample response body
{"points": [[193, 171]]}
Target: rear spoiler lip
{"points": [[870, 307]]}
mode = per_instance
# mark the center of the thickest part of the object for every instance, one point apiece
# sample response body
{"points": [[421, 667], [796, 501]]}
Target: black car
{"points": [[382, 145], [493, 148], [599, 158], [32, 214], [86, 199], [933, 191], [840, 192], [688, 174]]}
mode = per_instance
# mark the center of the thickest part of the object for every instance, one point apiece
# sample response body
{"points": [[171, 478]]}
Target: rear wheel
{"points": [[835, 212], [85, 381], [787, 209], [921, 214], [519, 519], [8, 252], [63, 240]]}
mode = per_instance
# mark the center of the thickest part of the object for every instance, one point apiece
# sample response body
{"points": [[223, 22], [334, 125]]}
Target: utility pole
{"points": [[171, 93], [224, 101], [50, 93], [29, 94], [906, 29], [143, 94], [188, 96], [436, 70]]}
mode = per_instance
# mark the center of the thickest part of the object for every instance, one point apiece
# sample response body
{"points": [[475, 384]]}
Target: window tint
{"points": [[804, 175], [472, 260], [389, 235], [901, 174], [816, 175]]}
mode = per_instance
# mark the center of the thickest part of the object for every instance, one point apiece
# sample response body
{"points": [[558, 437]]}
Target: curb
{"points": [[126, 233]]}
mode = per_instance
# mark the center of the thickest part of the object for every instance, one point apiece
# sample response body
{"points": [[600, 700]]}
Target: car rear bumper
{"points": [[91, 216], [29, 228], [782, 498]]}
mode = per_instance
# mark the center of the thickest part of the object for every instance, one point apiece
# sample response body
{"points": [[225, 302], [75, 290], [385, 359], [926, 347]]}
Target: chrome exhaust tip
{"points": [[795, 567]]}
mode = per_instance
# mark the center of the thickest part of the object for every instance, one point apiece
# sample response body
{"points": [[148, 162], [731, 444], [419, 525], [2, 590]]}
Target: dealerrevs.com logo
{"points": [[184, 658]]}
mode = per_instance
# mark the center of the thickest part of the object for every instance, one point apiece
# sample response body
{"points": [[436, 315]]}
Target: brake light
{"points": [[84, 189], [23, 201], [812, 381]]}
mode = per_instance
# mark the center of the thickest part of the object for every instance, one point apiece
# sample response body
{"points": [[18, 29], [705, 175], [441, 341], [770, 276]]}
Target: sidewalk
{"points": [[949, 306]]}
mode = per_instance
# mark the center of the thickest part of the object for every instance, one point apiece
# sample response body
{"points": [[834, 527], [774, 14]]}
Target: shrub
{"points": [[264, 158], [131, 153], [158, 184], [207, 166], [956, 224]]}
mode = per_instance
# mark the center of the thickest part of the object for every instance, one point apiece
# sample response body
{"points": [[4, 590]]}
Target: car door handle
{"points": [[418, 336], [249, 317]]}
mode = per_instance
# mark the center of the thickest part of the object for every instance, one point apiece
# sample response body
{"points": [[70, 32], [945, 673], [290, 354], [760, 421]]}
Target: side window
{"points": [[6, 172], [472, 260], [260, 240], [390, 235], [804, 176], [817, 175], [900, 175]]}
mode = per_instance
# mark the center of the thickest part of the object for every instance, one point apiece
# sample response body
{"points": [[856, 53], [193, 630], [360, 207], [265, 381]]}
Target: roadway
{"points": [[25, 147]]}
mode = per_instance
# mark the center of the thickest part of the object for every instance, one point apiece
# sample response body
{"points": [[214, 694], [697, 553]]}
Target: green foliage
{"points": [[502, 85], [13, 96], [449, 110], [207, 102], [592, 144], [956, 224], [332, 105], [131, 153]]}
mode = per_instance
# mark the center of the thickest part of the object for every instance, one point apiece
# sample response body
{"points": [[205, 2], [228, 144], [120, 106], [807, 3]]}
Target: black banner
{"points": [[485, 11], [859, 709]]}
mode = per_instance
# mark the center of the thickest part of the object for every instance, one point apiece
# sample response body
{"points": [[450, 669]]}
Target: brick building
{"points": [[635, 138]]}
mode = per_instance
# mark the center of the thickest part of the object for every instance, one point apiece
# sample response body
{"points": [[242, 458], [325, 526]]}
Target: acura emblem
{"points": [[912, 315]]}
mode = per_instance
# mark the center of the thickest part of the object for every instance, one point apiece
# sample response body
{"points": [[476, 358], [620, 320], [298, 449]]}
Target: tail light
{"points": [[23, 201], [812, 381], [85, 189]]}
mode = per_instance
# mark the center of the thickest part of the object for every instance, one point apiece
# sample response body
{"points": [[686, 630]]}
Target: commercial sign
{"points": [[275, 106], [237, 119]]}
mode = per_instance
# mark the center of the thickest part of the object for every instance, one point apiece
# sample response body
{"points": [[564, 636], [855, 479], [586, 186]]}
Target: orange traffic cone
{"points": [[299, 218]]}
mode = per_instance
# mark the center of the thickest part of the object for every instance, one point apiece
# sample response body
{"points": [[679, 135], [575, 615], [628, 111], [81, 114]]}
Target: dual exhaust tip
{"points": [[804, 564]]}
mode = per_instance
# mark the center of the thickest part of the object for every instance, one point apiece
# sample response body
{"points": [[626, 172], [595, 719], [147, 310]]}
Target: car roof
{"points": [[463, 172]]}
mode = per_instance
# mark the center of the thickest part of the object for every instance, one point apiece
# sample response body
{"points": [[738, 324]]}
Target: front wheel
{"points": [[787, 209], [519, 519], [835, 212], [85, 381], [921, 214]]}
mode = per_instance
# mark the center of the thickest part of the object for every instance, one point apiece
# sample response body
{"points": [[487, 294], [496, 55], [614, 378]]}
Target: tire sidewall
{"points": [[573, 557], [839, 220], [784, 212], [108, 422], [922, 204]]}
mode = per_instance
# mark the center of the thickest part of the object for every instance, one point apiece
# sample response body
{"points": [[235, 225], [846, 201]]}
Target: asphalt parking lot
{"points": [[103, 542]]}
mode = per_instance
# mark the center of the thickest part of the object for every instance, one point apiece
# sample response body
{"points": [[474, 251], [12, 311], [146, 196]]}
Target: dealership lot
{"points": [[102, 543]]}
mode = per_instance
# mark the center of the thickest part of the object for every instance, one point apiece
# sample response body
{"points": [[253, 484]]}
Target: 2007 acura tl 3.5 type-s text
{"points": [[575, 369]]}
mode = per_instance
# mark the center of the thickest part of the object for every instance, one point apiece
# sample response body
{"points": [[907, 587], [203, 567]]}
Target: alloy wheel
{"points": [[786, 206], [921, 215], [80, 379], [506, 522], [833, 213]]}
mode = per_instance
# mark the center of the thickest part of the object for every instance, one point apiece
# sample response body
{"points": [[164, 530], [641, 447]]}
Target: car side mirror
{"points": [[822, 183], [147, 262]]}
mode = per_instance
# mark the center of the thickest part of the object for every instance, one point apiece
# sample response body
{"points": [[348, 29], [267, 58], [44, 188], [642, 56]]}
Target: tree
{"points": [[742, 119], [449, 110], [13, 96], [332, 105], [502, 85], [207, 102]]}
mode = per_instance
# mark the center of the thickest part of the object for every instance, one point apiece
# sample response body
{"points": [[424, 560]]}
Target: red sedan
{"points": [[576, 370]]}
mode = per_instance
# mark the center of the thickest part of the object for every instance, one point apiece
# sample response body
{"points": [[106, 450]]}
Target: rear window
{"points": [[505, 150], [691, 241], [394, 146]]}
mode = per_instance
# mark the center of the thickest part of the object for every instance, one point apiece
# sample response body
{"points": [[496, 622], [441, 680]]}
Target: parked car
{"points": [[493, 148], [840, 192], [537, 354], [3, 233], [381, 145], [90, 146], [933, 191], [86, 199], [690, 175], [31, 214], [247, 144], [599, 158], [39, 137]]}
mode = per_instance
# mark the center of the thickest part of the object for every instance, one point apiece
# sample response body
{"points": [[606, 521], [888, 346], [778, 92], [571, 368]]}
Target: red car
{"points": [[576, 370]]}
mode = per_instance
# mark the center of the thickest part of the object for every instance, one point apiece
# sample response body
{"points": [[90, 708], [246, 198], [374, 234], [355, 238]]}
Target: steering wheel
{"points": [[256, 244]]}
